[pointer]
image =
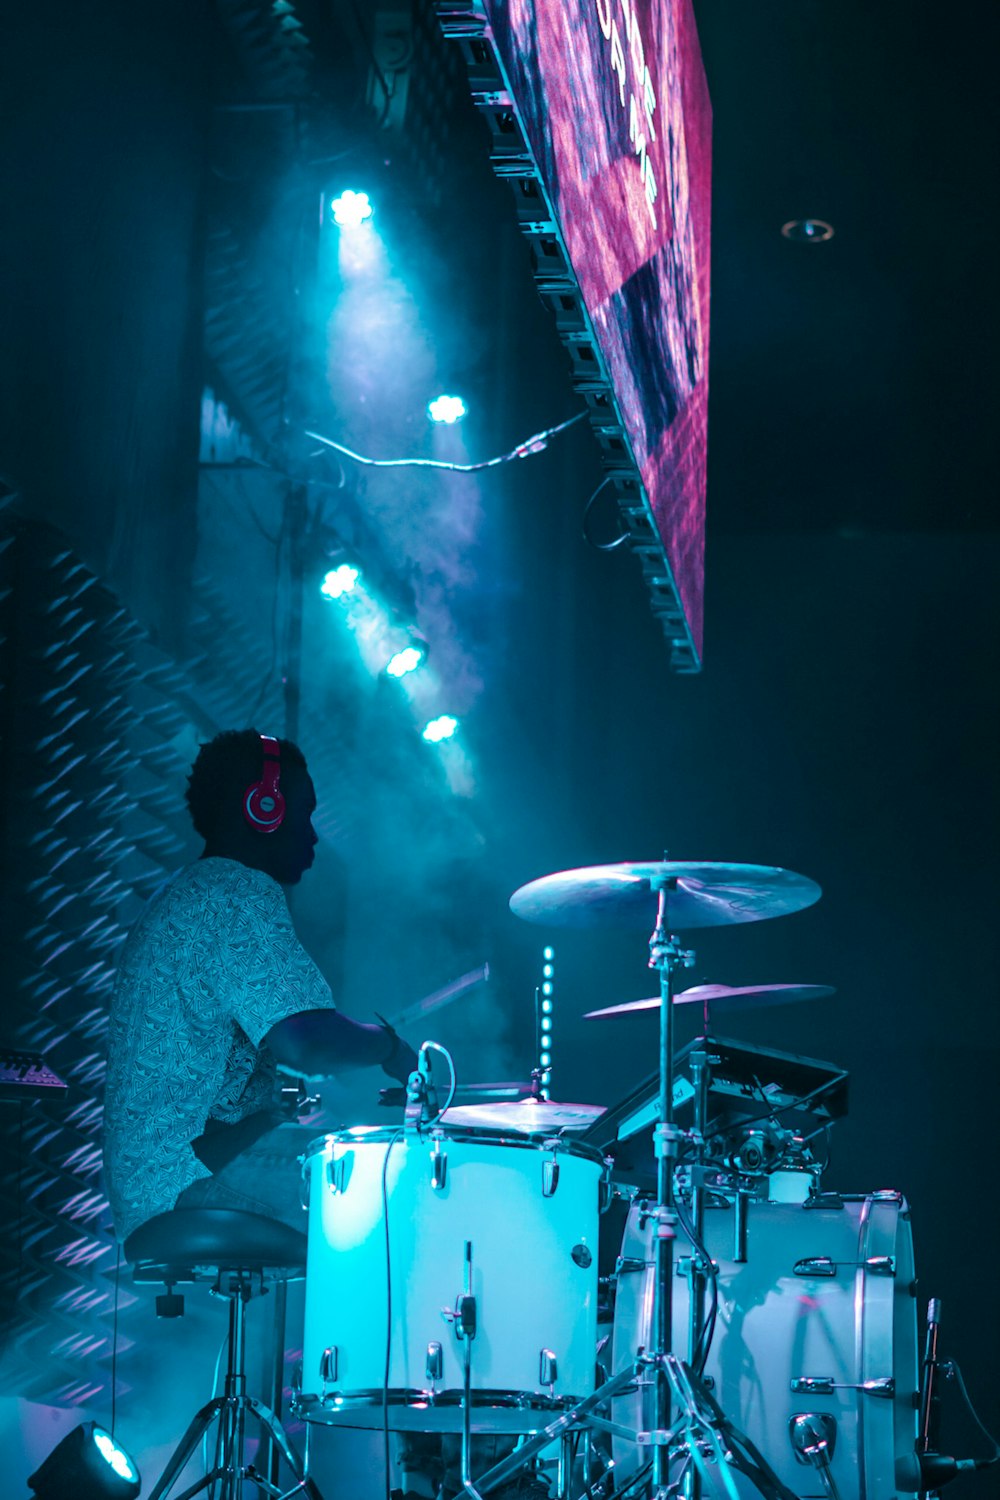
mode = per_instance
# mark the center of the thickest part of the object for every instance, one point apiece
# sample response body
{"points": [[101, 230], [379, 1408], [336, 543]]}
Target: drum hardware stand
{"points": [[700, 1423], [700, 1063], [672, 1381], [928, 1438], [666, 957], [580, 1416], [231, 1410], [463, 1320]]}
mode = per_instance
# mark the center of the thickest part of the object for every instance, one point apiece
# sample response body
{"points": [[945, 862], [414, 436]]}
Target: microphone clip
{"points": [[421, 1095]]}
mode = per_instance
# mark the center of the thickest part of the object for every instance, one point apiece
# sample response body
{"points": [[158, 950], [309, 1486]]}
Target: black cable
{"points": [[388, 94], [637, 1479], [396, 1137], [800, 1101], [699, 1355], [746, 1456], [952, 1371], [585, 529]]}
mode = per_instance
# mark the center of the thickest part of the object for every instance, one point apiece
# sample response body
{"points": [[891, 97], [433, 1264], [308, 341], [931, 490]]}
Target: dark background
{"points": [[845, 722]]}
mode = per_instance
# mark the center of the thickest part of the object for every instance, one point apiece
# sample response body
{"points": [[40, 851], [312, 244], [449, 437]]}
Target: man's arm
{"points": [[326, 1041]]}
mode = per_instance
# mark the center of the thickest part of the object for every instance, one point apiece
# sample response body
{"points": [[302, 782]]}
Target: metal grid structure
{"points": [[465, 26]]}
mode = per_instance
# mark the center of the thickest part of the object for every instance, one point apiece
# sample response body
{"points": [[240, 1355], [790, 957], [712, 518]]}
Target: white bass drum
{"points": [[820, 1318]]}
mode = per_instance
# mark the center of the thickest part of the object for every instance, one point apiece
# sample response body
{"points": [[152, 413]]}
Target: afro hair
{"points": [[223, 770]]}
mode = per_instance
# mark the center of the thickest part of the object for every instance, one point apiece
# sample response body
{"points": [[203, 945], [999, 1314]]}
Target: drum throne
{"points": [[239, 1254]]}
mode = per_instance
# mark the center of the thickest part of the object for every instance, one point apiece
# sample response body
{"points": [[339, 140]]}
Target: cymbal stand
{"points": [[666, 957]]}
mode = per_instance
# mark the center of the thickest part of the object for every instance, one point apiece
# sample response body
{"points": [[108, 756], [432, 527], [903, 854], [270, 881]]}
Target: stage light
{"points": [[441, 728], [547, 971], [351, 209], [89, 1465], [339, 581], [546, 1023], [407, 660], [546, 1005], [115, 1456], [546, 1059], [548, 954], [547, 987], [807, 231], [448, 409]]}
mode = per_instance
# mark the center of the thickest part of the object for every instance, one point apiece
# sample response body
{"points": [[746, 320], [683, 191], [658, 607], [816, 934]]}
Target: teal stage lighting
{"points": [[339, 581], [87, 1465], [350, 209], [441, 728], [407, 660], [448, 409]]}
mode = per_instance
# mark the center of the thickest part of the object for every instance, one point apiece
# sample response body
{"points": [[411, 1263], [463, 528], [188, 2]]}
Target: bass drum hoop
{"points": [[421, 1411], [537, 1140]]}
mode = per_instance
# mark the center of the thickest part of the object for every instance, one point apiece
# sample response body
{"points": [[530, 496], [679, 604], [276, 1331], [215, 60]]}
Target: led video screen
{"points": [[613, 102]]}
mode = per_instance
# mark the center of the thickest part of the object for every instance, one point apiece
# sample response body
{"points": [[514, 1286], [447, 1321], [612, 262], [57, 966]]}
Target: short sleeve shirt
{"points": [[212, 964]]}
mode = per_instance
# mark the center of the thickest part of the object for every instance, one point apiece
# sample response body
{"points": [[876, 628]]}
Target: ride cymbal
{"points": [[699, 894], [725, 997]]}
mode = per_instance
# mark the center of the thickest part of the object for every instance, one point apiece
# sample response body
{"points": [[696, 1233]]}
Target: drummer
{"points": [[213, 991]]}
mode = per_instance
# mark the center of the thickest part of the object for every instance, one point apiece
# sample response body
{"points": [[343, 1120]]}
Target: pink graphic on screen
{"points": [[612, 98]]}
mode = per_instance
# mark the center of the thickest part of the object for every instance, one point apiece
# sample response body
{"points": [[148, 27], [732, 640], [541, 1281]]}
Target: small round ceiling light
{"points": [[807, 231], [449, 409], [351, 209]]}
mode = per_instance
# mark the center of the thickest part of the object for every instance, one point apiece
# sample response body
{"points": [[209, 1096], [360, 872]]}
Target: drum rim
{"points": [[464, 1135], [412, 1396]]}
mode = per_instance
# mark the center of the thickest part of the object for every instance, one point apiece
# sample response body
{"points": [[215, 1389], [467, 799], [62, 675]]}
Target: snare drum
{"points": [[394, 1221], [820, 1318]]}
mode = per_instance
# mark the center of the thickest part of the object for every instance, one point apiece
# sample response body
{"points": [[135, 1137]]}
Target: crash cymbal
{"points": [[700, 895], [725, 997], [524, 1116]]}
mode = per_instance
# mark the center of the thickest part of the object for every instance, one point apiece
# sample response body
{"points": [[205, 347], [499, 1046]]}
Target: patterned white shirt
{"points": [[212, 964]]}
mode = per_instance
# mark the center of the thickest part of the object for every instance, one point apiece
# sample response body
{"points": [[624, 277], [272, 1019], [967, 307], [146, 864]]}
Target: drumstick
{"points": [[438, 998]]}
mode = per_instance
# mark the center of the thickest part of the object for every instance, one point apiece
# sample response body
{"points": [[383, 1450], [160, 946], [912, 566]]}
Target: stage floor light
{"points": [[88, 1465]]}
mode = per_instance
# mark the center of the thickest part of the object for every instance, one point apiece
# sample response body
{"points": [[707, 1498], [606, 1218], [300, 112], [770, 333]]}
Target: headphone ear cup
{"points": [[263, 804], [263, 807]]}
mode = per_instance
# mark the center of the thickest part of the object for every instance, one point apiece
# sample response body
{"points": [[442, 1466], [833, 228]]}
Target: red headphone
{"points": [[263, 804]]}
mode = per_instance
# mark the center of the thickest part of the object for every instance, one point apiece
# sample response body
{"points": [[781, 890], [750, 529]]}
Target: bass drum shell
{"points": [[781, 1319], [529, 1208]]}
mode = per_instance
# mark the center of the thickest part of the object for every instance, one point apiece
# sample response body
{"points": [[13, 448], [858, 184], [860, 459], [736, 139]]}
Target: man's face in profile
{"points": [[290, 849]]}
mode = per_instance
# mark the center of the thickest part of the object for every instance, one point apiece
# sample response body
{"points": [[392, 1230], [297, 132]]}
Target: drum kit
{"points": [[751, 1333]]}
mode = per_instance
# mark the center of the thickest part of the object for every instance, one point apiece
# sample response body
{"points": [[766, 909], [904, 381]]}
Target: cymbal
{"points": [[725, 997], [524, 1116], [701, 895]]}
